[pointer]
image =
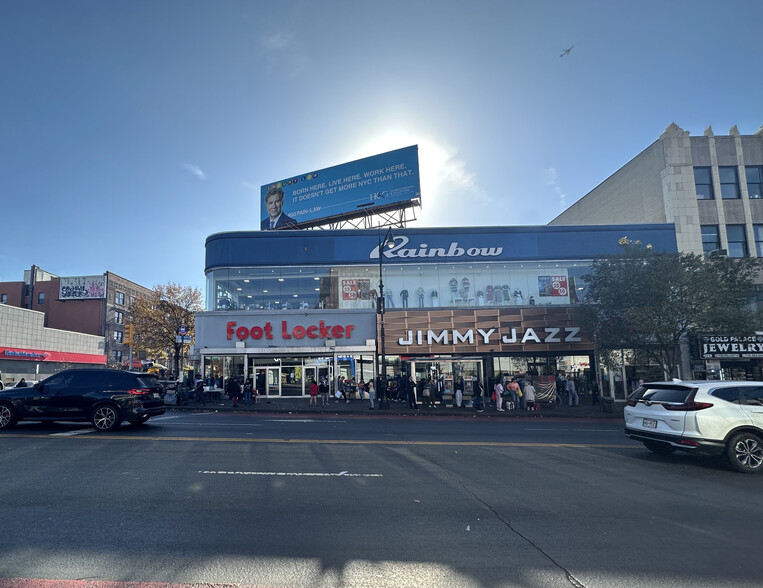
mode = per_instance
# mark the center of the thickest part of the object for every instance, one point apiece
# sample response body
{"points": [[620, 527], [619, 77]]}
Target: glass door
{"points": [[273, 381]]}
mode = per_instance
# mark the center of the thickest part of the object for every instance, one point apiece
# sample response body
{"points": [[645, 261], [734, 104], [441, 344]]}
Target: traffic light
{"points": [[127, 340]]}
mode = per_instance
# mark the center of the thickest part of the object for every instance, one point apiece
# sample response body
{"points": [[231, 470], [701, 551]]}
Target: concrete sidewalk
{"points": [[301, 405]]}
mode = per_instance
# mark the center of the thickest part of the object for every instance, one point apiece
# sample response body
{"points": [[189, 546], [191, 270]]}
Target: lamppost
{"points": [[389, 240]]}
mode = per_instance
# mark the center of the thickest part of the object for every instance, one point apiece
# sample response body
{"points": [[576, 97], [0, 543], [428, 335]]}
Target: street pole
{"points": [[383, 388]]}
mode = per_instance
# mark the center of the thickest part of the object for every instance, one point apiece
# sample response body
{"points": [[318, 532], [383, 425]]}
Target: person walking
{"points": [[371, 392], [313, 393], [572, 393], [410, 388], [248, 389]]}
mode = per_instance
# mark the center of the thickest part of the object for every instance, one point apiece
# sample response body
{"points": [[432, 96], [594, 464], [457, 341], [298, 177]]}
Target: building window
{"points": [[118, 336], [41, 298], [729, 182], [758, 232], [119, 317], [703, 180], [711, 238], [4, 299], [119, 298], [132, 300], [754, 181], [118, 356], [737, 240]]}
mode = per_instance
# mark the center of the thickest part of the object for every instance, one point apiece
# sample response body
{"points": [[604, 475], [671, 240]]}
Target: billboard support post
{"points": [[388, 240]]}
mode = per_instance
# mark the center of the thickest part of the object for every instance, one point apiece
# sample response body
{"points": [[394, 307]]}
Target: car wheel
{"points": [[745, 453], [659, 448], [8, 417], [140, 421], [106, 417]]}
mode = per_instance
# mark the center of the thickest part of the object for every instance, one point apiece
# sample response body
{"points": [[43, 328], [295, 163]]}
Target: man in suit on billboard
{"points": [[274, 205]]}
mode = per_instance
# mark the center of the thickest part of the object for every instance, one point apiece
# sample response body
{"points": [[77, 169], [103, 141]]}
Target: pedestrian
{"points": [[572, 394], [371, 392], [198, 390], [528, 400], [22, 384], [313, 393], [248, 388], [498, 391], [459, 387], [323, 390], [477, 395], [233, 390], [410, 388], [426, 393], [594, 392]]}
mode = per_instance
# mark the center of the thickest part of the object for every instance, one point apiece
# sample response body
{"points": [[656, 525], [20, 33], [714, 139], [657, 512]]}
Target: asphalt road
{"points": [[279, 500]]}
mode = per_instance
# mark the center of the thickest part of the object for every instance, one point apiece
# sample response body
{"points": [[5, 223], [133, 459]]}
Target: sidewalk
{"points": [[301, 405]]}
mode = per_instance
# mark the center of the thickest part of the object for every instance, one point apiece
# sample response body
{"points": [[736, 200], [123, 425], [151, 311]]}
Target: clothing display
{"points": [[518, 298], [388, 301], [404, 298], [420, 292], [498, 295]]}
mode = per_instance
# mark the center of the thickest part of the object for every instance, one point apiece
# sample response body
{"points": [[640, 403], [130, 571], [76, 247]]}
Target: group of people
{"points": [[233, 390], [513, 393]]}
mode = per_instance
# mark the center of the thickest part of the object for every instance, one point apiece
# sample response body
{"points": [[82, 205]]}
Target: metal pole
{"points": [[383, 390]]}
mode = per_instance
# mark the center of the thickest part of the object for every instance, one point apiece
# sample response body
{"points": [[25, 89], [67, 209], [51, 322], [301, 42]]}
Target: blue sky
{"points": [[131, 131]]}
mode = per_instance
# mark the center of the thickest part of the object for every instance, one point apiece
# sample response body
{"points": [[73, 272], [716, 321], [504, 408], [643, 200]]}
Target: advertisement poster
{"points": [[552, 286], [343, 191], [82, 287]]}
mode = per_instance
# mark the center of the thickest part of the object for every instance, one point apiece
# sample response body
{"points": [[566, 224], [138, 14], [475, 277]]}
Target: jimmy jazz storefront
{"points": [[284, 352], [477, 299]]}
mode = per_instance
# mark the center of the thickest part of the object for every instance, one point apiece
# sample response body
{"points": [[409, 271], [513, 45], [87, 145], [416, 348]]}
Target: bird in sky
{"points": [[566, 52]]}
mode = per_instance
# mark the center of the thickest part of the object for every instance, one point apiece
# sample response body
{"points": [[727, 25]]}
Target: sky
{"points": [[131, 131]]}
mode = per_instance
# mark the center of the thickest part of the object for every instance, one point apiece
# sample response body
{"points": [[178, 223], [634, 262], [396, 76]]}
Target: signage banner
{"points": [[48, 356], [731, 347], [82, 287], [343, 191]]}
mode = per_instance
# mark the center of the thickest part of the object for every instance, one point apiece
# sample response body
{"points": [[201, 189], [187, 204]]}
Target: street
{"points": [[350, 500]]}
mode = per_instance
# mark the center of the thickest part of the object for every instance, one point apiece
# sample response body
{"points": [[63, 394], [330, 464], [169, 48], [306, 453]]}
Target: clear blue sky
{"points": [[133, 130]]}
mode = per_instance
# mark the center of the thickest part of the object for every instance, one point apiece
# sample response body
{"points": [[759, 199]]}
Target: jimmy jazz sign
{"points": [[715, 347], [491, 336]]}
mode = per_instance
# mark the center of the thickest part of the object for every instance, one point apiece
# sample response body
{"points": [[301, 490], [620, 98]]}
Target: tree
{"points": [[651, 302], [156, 318]]}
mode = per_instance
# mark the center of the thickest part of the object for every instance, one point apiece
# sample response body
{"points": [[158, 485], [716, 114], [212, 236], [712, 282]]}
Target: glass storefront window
{"points": [[406, 286]]}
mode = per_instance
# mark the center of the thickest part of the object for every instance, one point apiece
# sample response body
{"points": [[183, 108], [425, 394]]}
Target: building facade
{"points": [[711, 189], [289, 306], [95, 305]]}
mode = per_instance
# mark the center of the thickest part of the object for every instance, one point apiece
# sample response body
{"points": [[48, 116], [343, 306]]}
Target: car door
{"points": [[75, 400], [751, 401], [44, 401]]}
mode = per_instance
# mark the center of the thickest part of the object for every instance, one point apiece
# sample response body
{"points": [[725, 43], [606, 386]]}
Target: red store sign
{"points": [[62, 356], [319, 331]]}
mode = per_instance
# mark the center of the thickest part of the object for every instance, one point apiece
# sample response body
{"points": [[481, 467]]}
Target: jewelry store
{"points": [[288, 306]]}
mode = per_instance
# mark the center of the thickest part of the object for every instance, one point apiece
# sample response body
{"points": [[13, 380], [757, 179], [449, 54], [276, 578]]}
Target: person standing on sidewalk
{"points": [[198, 390], [323, 390], [410, 388], [572, 394], [313, 393], [371, 392], [498, 389], [233, 390], [528, 400], [248, 389], [477, 395], [459, 386]]}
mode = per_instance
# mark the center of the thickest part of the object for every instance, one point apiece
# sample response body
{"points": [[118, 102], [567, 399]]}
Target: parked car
{"points": [[104, 397], [710, 417]]}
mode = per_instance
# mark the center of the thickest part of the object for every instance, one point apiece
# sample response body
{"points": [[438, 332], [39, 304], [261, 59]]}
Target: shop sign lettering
{"points": [[399, 250], [482, 336], [319, 331]]}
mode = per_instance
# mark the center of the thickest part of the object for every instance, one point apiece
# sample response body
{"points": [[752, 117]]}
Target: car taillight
{"points": [[688, 406], [630, 402], [139, 391]]}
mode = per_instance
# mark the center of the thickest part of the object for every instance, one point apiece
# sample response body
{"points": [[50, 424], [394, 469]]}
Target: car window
{"points": [[89, 380], [752, 396], [728, 393], [677, 394], [121, 381], [146, 381], [59, 380]]}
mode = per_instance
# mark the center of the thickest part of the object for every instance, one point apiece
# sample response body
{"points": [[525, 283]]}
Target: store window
{"points": [[41, 298], [703, 181], [758, 232], [729, 182], [119, 298], [711, 238], [735, 234], [754, 176]]}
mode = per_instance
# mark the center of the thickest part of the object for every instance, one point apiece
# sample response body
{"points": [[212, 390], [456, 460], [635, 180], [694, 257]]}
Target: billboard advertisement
{"points": [[381, 182], [82, 287]]}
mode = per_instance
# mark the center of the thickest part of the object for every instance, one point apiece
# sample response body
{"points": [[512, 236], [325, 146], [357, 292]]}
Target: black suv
{"points": [[103, 397]]}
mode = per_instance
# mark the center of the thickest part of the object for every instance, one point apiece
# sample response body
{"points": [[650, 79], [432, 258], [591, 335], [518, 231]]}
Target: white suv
{"points": [[711, 417]]}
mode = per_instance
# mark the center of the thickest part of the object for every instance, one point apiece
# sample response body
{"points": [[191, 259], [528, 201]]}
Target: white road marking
{"points": [[72, 433], [302, 421], [306, 474]]}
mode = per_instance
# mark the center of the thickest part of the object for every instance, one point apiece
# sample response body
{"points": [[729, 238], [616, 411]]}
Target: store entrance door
{"points": [[267, 380]]}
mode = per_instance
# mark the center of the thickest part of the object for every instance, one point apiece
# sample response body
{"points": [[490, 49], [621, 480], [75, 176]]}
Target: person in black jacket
{"points": [[233, 390], [477, 395]]}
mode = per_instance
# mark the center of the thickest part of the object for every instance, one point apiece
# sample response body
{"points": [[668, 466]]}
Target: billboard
{"points": [[382, 182], [82, 288]]}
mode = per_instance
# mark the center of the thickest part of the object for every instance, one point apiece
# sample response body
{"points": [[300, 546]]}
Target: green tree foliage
{"points": [[651, 302], [157, 317]]}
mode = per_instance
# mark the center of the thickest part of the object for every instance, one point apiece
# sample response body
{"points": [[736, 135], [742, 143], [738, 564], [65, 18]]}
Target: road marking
{"points": [[456, 444], [71, 433], [306, 474], [301, 421]]}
